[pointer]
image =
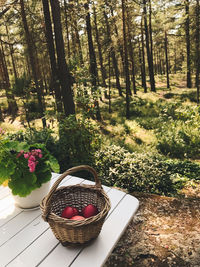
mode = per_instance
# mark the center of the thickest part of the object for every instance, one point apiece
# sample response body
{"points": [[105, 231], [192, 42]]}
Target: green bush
{"points": [[186, 168], [178, 131], [179, 139], [78, 141], [146, 172], [136, 172]]}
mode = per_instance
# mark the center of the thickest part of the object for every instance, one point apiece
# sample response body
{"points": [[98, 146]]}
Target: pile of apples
{"points": [[72, 213]]}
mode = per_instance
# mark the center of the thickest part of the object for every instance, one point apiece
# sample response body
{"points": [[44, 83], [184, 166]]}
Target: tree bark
{"points": [[144, 84], [67, 29], [109, 84], [120, 46], [113, 55], [187, 35], [51, 49], [126, 67], [131, 51], [175, 60], [75, 33], [103, 72], [12, 105], [32, 61], [149, 56], [92, 56], [1, 115], [197, 48], [11, 54], [150, 29], [166, 59], [63, 71]]}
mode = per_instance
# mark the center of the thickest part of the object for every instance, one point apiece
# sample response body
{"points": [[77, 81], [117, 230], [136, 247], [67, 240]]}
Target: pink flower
{"points": [[20, 153], [32, 166], [26, 155], [32, 169], [40, 155], [32, 158]]}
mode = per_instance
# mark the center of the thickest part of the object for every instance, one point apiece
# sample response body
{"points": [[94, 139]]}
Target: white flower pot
{"points": [[34, 198]]}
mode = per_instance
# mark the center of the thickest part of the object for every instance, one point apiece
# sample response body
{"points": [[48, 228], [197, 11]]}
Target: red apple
{"points": [[69, 212], [89, 210], [77, 218], [75, 211]]}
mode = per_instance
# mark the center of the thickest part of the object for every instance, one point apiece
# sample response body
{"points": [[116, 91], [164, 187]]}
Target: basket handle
{"points": [[62, 176]]}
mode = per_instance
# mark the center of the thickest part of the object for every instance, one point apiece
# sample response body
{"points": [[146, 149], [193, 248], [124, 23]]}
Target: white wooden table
{"points": [[27, 241]]}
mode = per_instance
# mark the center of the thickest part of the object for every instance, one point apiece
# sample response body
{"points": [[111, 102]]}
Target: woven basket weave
{"points": [[68, 231]]}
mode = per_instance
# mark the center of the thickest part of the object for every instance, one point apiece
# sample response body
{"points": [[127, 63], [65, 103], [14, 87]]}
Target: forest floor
{"points": [[165, 232]]}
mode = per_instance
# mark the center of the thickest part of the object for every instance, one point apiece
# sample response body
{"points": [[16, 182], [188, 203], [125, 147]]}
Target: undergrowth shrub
{"points": [[78, 141], [146, 172], [185, 168], [135, 172], [179, 139]]}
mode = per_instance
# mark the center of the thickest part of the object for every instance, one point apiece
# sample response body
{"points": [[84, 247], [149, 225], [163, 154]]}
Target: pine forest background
{"points": [[111, 83]]}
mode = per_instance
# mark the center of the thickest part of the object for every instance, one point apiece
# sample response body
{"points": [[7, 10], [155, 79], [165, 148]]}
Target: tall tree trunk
{"points": [[131, 51], [197, 48], [73, 46], [113, 55], [93, 64], [92, 56], [119, 43], [1, 115], [187, 35], [75, 38], [51, 49], [175, 60], [109, 84], [144, 84], [11, 54], [67, 29], [149, 56], [12, 105], [166, 59], [126, 67], [63, 71], [32, 61], [78, 43], [27, 67], [150, 29], [103, 72]]}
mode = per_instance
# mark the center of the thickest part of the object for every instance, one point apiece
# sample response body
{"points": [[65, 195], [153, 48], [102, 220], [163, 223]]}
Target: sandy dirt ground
{"points": [[164, 232]]}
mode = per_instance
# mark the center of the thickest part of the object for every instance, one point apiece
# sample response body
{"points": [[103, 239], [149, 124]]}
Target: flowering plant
{"points": [[25, 167]]}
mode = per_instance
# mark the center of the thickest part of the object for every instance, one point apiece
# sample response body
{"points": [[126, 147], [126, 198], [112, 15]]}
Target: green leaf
{"points": [[23, 182], [54, 164], [7, 168]]}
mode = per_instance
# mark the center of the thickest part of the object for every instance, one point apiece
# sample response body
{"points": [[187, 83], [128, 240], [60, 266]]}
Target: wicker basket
{"points": [[68, 231]]}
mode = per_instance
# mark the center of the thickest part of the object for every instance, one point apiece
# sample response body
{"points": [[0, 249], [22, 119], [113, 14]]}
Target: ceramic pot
{"points": [[34, 198]]}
